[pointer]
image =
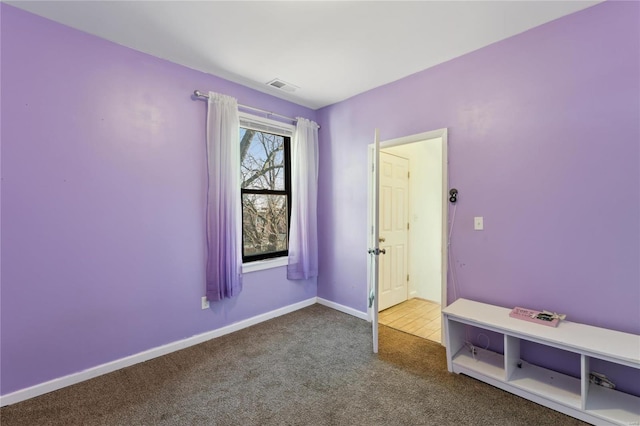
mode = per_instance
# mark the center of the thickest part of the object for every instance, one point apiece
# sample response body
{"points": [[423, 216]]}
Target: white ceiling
{"points": [[332, 50]]}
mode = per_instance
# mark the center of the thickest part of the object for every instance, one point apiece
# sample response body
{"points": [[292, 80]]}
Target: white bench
{"points": [[574, 396]]}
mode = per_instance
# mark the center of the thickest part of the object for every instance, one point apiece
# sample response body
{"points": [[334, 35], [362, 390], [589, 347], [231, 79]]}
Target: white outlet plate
{"points": [[205, 302], [478, 223]]}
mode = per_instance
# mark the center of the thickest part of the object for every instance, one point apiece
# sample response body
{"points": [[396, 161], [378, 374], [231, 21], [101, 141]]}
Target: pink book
{"points": [[534, 316]]}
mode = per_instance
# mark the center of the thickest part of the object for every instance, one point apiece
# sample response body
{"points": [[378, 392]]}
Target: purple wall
{"points": [[103, 171], [103, 174], [543, 142]]}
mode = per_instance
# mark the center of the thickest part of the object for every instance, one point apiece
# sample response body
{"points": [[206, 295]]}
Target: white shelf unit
{"points": [[574, 396]]}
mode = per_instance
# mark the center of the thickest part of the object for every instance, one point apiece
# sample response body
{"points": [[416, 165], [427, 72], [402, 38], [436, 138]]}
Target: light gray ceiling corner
{"points": [[331, 50]]}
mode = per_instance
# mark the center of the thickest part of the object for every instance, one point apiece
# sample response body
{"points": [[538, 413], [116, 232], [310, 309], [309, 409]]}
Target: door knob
{"points": [[376, 251], [381, 239]]}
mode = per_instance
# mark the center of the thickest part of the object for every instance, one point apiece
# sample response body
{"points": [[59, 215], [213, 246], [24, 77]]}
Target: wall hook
{"points": [[453, 195]]}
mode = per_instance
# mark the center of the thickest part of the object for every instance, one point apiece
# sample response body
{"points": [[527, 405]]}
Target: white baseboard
{"points": [[71, 379], [343, 308]]}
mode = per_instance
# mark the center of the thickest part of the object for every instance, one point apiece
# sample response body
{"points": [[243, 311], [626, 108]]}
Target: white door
{"points": [[393, 230], [374, 251]]}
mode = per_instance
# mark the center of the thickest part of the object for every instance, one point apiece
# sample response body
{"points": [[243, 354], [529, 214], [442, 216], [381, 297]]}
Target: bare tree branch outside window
{"points": [[265, 210]]}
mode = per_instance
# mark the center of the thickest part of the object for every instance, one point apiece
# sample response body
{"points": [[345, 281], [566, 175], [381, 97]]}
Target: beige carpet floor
{"points": [[310, 367]]}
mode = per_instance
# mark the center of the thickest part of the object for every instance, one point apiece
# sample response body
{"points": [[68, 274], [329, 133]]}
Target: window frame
{"points": [[265, 125]]}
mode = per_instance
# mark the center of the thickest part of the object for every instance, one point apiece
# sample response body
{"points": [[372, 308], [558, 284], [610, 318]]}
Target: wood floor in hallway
{"points": [[415, 316]]}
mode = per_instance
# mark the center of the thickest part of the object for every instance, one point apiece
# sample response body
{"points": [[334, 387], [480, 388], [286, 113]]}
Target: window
{"points": [[265, 190]]}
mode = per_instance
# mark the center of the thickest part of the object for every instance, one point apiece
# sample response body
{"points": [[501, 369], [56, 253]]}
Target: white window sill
{"points": [[260, 265]]}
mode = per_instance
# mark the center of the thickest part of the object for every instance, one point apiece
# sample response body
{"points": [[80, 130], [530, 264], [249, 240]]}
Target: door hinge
{"points": [[408, 175], [407, 226], [407, 277]]}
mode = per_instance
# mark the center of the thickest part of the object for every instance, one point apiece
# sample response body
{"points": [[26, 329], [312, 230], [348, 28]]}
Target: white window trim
{"points": [[285, 130], [263, 124], [260, 265]]}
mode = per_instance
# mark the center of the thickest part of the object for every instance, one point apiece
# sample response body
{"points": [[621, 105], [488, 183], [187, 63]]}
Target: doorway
{"points": [[418, 310]]}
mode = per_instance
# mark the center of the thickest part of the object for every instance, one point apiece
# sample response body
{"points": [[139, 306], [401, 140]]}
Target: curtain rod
{"points": [[200, 94]]}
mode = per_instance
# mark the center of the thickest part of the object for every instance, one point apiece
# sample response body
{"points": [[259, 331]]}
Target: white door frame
{"points": [[426, 136]]}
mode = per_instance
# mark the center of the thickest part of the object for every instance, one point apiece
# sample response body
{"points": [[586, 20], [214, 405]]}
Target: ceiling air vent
{"points": [[282, 85]]}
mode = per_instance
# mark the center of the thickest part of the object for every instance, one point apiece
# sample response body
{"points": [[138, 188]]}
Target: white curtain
{"points": [[224, 215], [303, 233]]}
